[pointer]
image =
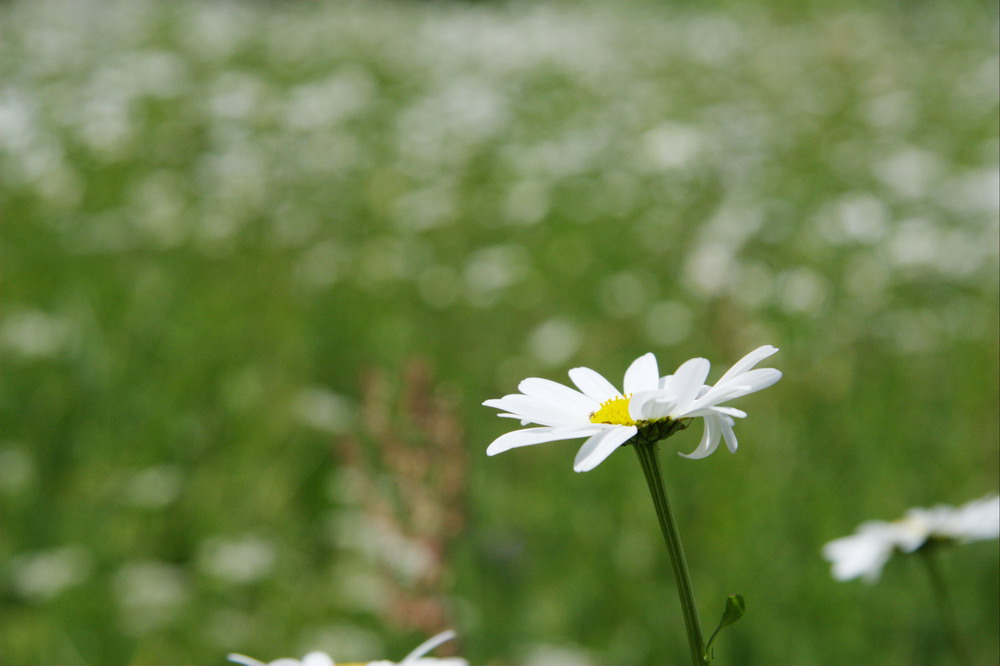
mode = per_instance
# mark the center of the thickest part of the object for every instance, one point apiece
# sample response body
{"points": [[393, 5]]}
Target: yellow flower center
{"points": [[613, 412]]}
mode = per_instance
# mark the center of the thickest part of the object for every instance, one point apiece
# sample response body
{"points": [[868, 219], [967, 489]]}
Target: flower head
{"points": [[415, 658], [864, 553], [649, 407]]}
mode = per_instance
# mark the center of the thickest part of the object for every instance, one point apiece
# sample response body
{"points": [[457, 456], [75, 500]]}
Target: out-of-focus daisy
{"points": [[648, 408], [415, 658], [864, 553]]}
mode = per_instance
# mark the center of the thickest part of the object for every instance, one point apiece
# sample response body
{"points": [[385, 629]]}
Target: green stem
{"points": [[649, 459], [940, 590]]}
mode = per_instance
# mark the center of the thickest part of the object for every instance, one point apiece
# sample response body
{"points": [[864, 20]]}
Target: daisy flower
{"points": [[864, 553], [415, 658], [648, 408]]}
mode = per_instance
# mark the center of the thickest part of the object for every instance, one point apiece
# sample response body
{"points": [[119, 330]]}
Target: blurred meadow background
{"points": [[260, 263]]}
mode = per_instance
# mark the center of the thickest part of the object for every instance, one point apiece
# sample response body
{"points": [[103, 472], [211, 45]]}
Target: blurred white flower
{"points": [[672, 145], [43, 575], [415, 658], [318, 407], [240, 560], [154, 487], [864, 553], [150, 594], [554, 341], [649, 407], [34, 333]]}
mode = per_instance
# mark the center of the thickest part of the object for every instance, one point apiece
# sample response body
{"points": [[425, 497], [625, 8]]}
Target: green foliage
{"points": [[215, 218]]}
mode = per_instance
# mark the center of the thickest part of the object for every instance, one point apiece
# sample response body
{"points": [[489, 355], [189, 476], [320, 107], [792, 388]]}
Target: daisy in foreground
{"points": [[648, 407], [415, 658], [864, 553]]}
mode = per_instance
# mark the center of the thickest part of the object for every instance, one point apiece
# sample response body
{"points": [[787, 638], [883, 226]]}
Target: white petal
{"points": [[539, 410], [596, 449], [243, 659], [711, 398], [730, 411], [642, 375], [688, 381], [426, 647], [757, 380], [978, 519], [317, 659], [709, 440], [556, 392], [667, 400], [863, 553], [596, 387], [747, 362], [736, 387], [530, 436], [728, 434], [647, 405]]}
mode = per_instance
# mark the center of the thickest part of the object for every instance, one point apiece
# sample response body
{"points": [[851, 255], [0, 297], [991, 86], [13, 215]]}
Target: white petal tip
{"points": [[694, 455]]}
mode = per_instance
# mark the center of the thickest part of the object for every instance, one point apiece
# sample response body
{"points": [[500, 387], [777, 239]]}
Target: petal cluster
{"points": [[561, 412], [864, 553]]}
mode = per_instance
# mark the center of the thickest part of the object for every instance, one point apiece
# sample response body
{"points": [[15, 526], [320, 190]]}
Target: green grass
{"points": [[228, 231]]}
